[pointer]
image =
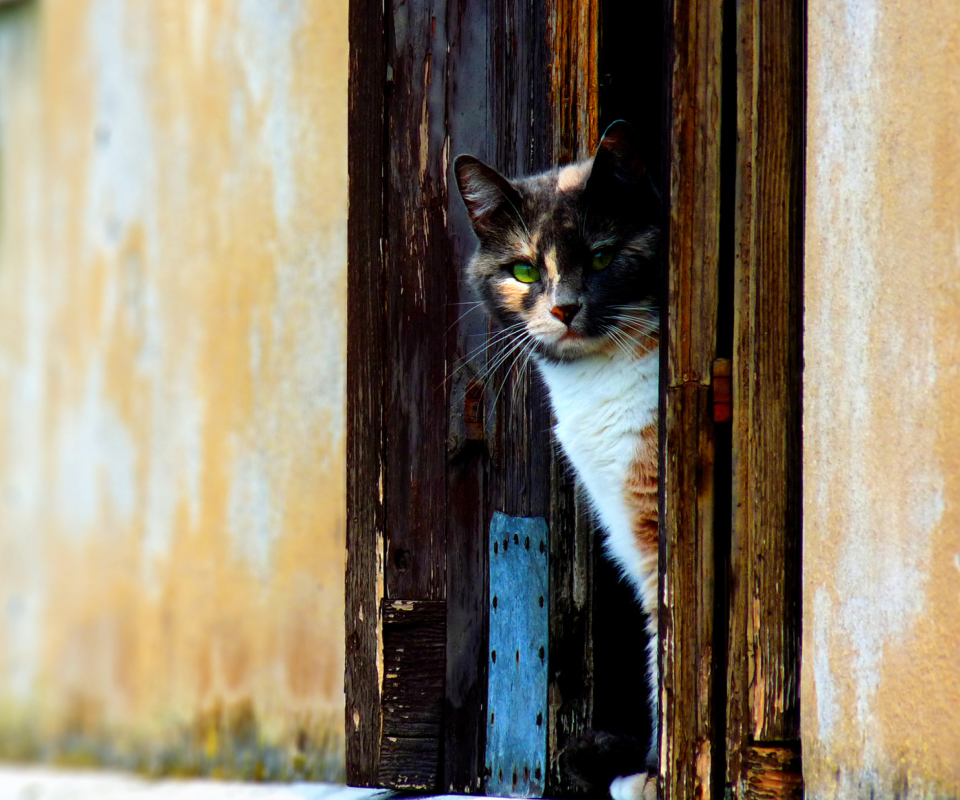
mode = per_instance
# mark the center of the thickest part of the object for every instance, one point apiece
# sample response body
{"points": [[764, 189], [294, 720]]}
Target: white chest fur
{"points": [[602, 406]]}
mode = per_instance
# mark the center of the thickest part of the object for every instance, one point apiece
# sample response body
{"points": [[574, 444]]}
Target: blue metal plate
{"points": [[516, 757]]}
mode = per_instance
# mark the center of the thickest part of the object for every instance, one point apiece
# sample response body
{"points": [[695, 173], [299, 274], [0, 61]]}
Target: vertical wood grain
{"points": [[469, 131], [417, 252], [365, 347], [764, 656], [764, 663], [514, 84], [499, 110], [687, 440], [573, 31], [417, 257], [693, 244]]}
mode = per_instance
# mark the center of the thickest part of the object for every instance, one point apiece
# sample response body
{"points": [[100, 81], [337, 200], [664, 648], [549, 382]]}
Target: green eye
{"points": [[525, 273], [601, 259]]}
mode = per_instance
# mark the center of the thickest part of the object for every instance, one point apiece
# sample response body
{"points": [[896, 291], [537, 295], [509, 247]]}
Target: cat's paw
{"points": [[642, 786], [596, 758]]}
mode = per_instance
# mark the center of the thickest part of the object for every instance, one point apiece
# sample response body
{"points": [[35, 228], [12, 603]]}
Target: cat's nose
{"points": [[566, 313]]}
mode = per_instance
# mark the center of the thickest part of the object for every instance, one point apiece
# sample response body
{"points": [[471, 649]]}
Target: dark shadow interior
{"points": [[631, 88]]}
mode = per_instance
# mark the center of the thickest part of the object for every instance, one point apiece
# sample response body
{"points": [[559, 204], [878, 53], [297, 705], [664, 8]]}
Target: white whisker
{"points": [[617, 337], [473, 307], [508, 350], [523, 369], [497, 338], [507, 373], [493, 339]]}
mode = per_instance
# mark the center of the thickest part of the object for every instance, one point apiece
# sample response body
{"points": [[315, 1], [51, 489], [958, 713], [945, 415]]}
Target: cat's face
{"points": [[567, 259]]}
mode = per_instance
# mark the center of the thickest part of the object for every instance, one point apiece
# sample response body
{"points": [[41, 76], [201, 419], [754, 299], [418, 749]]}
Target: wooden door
{"points": [[437, 447]]}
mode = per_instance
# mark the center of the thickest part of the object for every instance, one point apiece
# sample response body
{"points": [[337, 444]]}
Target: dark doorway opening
{"points": [[631, 79]]}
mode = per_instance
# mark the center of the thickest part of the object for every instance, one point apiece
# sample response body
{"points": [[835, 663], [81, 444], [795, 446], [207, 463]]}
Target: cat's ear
{"points": [[484, 191], [617, 163]]}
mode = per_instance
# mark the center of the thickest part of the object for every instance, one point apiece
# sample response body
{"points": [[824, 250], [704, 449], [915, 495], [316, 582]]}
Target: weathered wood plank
{"points": [[533, 89], [415, 290], [570, 692], [364, 390], [694, 190], [519, 419], [414, 668], [686, 622], [466, 694], [687, 441], [415, 411], [764, 658], [739, 647], [573, 33], [402, 760], [468, 128], [775, 332], [396, 398]]}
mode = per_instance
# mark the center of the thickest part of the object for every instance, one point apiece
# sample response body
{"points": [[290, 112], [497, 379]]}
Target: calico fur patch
{"points": [[567, 265]]}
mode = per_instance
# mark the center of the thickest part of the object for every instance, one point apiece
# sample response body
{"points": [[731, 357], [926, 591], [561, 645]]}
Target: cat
{"points": [[567, 264]]}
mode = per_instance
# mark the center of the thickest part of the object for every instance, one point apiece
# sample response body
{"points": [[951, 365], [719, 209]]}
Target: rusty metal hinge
{"points": [[722, 390]]}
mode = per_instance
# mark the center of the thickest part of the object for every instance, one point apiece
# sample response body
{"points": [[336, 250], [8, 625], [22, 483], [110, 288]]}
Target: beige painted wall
{"points": [[881, 650], [172, 338]]}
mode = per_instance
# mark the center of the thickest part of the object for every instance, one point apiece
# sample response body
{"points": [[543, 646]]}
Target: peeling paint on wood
{"points": [[516, 754], [771, 773]]}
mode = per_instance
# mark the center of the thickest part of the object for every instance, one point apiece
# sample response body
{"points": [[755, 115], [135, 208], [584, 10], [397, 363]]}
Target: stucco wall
{"points": [[172, 339], [881, 649]]}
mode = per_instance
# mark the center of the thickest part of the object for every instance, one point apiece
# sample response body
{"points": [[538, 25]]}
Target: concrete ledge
{"points": [[45, 783]]}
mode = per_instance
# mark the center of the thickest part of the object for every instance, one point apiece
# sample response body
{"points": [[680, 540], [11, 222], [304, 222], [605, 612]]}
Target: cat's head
{"points": [[568, 258]]}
